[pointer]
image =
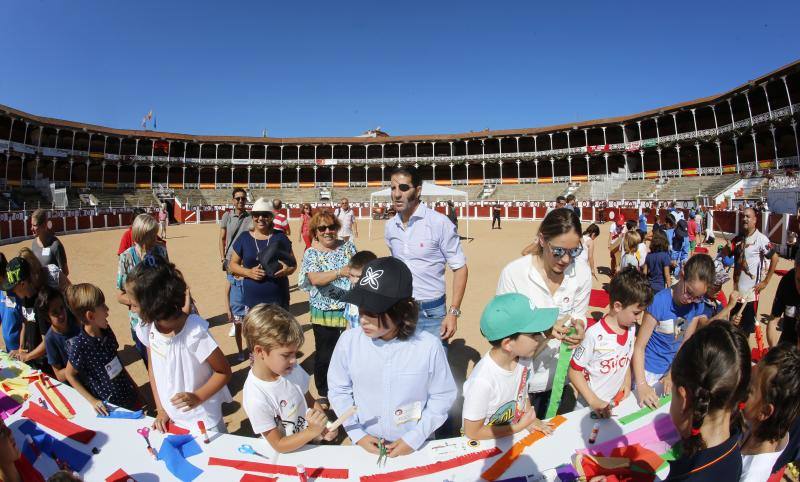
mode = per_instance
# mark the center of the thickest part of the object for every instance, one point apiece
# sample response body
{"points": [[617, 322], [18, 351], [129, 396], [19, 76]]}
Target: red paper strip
{"points": [[432, 468], [503, 463], [64, 427], [52, 389], [26, 470], [311, 472], [257, 478], [119, 476], [175, 430]]}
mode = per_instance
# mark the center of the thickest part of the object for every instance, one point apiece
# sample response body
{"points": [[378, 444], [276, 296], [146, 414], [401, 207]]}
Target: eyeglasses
{"points": [[559, 252], [690, 297], [240, 198], [402, 187], [261, 214], [329, 227]]}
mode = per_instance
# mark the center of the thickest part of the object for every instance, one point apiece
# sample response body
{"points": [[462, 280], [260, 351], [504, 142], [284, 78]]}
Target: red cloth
{"points": [[54, 422], [599, 298], [125, 242]]}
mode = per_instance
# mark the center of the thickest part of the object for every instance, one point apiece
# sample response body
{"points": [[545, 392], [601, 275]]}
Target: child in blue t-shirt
{"points": [[667, 318], [355, 267], [50, 306]]}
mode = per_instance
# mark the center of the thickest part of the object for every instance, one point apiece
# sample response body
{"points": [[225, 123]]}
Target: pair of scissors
{"points": [[248, 449], [383, 453], [144, 432]]}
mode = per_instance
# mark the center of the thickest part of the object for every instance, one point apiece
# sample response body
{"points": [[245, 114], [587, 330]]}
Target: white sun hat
{"points": [[261, 205]]}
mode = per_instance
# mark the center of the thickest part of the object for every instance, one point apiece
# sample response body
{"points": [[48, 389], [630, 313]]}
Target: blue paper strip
{"points": [[174, 451], [118, 413], [48, 445]]}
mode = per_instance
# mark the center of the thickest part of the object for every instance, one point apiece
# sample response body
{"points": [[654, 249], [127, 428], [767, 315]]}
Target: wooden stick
{"points": [[339, 421]]}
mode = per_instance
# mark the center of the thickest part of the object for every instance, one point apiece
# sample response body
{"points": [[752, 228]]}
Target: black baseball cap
{"points": [[383, 282], [17, 271]]}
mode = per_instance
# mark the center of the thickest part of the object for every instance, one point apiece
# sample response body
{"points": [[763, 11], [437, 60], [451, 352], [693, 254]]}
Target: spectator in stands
{"points": [[347, 219], [753, 253], [324, 274], [125, 241], [496, 211], [234, 223], [46, 245], [280, 222], [573, 203], [426, 241], [144, 233], [305, 224], [551, 276], [263, 257], [163, 220]]}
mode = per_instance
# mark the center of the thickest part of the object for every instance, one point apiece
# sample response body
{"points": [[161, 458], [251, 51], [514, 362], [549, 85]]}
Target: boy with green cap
{"points": [[496, 393]]}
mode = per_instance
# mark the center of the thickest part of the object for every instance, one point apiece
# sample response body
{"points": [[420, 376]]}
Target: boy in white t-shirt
{"points": [[275, 395], [496, 393], [772, 408], [600, 368]]}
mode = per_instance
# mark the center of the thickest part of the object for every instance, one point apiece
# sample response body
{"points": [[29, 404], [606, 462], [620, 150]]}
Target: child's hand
{"points": [[397, 448], [316, 421], [331, 435], [647, 395], [161, 421], [99, 407], [601, 409], [370, 444], [525, 420], [185, 401], [734, 297], [540, 426]]}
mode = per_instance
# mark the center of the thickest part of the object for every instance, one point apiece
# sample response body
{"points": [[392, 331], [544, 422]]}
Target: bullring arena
{"points": [[720, 152]]}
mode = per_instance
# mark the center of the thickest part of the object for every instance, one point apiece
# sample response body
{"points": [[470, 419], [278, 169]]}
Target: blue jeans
{"points": [[236, 298], [431, 314]]}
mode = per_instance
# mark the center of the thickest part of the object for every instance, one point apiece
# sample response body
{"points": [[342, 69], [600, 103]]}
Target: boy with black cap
{"points": [[496, 393], [17, 289], [398, 377]]}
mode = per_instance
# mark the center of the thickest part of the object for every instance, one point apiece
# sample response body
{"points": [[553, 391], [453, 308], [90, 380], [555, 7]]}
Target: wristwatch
{"points": [[454, 311]]}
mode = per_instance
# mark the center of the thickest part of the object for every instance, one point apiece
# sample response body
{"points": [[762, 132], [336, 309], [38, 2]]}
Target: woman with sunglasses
{"points": [[260, 287], [550, 276], [324, 274], [673, 311]]}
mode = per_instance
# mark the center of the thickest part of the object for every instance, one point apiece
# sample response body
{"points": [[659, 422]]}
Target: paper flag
{"points": [[257, 478], [53, 422], [658, 436], [119, 413], [503, 463], [644, 411], [432, 468], [311, 472], [175, 449], [8, 406], [120, 476], [48, 445]]}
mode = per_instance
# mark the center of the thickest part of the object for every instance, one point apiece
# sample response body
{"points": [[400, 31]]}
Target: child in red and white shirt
{"points": [[600, 367]]}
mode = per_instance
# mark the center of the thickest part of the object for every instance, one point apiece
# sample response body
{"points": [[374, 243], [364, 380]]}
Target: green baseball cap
{"points": [[513, 313]]}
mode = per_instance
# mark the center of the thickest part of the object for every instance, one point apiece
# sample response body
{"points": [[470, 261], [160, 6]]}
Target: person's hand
{"points": [[594, 274], [449, 325], [185, 401], [331, 435], [734, 297], [647, 396], [343, 272], [601, 409], [316, 421], [525, 420], [667, 383], [99, 407], [626, 390], [230, 315], [370, 444], [14, 354], [576, 338], [540, 426], [256, 273], [284, 271], [398, 448], [760, 286], [161, 422]]}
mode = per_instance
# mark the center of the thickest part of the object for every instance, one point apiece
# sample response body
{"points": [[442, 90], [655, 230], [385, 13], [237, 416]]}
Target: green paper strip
{"points": [[564, 356], [672, 454], [644, 411]]}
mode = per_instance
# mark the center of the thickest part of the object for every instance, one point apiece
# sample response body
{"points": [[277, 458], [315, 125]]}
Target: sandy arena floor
{"points": [[92, 258]]}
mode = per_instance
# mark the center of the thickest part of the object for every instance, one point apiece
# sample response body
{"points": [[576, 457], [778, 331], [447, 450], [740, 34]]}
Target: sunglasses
{"points": [[560, 252], [240, 198], [261, 214], [329, 227], [402, 187]]}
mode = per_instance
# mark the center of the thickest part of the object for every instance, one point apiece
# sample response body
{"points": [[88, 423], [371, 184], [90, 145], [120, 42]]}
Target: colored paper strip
{"points": [[503, 463], [55, 400], [658, 436], [560, 378], [125, 414], [64, 427], [8, 406], [311, 472], [48, 445], [257, 478], [174, 451], [432, 468], [644, 411], [120, 476]]}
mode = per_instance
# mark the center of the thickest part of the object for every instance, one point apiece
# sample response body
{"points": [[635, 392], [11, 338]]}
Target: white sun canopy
{"points": [[430, 191]]}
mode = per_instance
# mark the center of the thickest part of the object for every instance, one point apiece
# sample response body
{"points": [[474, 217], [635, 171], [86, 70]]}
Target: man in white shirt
{"points": [[347, 219], [426, 241], [753, 251]]}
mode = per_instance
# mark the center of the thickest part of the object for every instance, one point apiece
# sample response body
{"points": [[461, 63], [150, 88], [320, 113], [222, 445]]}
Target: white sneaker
{"points": [[232, 331]]}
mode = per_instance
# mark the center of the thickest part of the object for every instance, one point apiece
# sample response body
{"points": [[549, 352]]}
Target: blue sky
{"points": [[339, 68]]}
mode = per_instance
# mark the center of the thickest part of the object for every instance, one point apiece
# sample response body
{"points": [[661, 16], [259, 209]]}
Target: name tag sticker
{"points": [[408, 413], [113, 368], [45, 252], [666, 327]]}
